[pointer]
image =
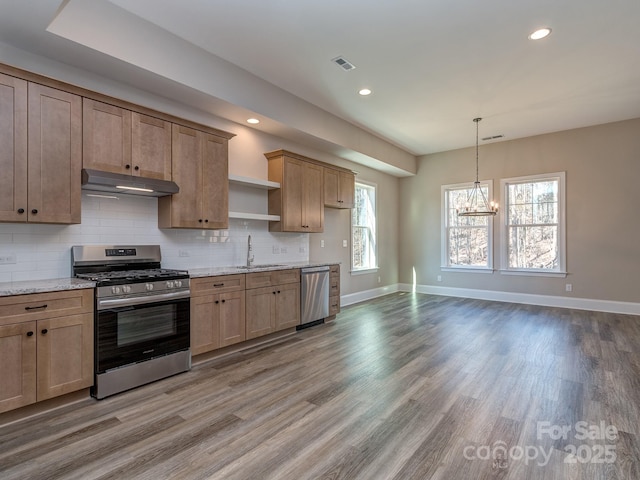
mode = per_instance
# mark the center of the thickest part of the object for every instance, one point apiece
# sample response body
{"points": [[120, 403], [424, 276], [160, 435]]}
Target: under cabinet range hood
{"points": [[98, 181]]}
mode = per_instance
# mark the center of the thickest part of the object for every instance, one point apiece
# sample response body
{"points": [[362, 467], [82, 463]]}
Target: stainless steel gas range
{"points": [[142, 315]]}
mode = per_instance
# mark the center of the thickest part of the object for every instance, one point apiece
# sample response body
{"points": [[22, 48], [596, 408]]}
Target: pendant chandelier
{"points": [[477, 204]]}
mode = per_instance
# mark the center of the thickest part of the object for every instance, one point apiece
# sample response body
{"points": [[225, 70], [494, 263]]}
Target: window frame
{"points": [[561, 270], [445, 266], [368, 269]]}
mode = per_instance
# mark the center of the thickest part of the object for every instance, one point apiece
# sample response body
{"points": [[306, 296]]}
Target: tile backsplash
{"points": [[44, 251]]}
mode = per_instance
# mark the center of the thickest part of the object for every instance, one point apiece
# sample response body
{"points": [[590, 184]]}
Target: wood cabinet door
{"points": [[17, 365], [13, 149], [205, 324], [287, 306], [291, 215], [184, 209], [331, 187], [260, 311], [106, 137], [313, 198], [54, 155], [150, 147], [347, 190], [65, 355], [215, 182], [232, 318]]}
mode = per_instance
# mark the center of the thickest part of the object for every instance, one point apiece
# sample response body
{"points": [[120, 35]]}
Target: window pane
{"points": [[520, 214], [468, 246], [533, 247]]}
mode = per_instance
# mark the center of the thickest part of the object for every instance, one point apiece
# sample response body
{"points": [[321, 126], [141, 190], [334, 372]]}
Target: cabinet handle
{"points": [[44, 331], [127, 166], [218, 284], [39, 307], [34, 211], [29, 334], [21, 211]]}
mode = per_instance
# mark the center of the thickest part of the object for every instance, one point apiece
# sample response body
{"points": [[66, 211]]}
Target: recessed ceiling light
{"points": [[364, 92], [540, 33], [253, 121]]}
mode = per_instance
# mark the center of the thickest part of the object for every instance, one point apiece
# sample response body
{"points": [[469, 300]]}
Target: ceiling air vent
{"points": [[343, 63], [493, 138]]}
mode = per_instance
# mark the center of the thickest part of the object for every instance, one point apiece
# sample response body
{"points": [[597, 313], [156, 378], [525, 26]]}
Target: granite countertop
{"points": [[43, 286], [232, 270]]}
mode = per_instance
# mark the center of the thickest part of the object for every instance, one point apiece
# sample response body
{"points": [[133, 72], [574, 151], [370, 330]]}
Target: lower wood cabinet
{"points": [[334, 289], [46, 348], [217, 312], [274, 307]]}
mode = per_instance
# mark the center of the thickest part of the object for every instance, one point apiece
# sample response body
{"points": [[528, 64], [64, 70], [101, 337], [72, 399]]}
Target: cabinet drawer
{"points": [[36, 306], [334, 304], [334, 286], [273, 277], [217, 284], [334, 270]]}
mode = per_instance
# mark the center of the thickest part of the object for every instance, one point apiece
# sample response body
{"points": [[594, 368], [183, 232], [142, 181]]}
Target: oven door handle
{"points": [[126, 302]]}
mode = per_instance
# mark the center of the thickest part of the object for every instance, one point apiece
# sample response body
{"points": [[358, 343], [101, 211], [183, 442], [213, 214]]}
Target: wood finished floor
{"points": [[407, 386]]}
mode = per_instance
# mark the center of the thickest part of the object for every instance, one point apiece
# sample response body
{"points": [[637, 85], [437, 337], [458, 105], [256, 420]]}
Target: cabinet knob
{"points": [[216, 302], [206, 220], [44, 331], [136, 168], [21, 211], [274, 293], [199, 220], [127, 166], [278, 291], [34, 211], [29, 334], [223, 301]]}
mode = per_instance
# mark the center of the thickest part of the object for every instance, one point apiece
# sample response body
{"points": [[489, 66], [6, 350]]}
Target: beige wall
{"points": [[337, 227], [602, 166]]}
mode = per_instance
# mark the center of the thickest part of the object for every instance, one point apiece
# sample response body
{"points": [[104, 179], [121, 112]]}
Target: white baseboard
{"points": [[526, 298], [358, 297]]}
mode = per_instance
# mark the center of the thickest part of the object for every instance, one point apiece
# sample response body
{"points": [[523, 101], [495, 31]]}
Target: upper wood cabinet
{"points": [[122, 141], [300, 199], [339, 188], [200, 168], [40, 153]]}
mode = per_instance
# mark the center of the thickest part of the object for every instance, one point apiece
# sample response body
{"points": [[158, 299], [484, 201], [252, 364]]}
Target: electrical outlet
{"points": [[183, 253], [344, 243], [439, 278], [7, 259], [379, 280], [302, 250], [321, 243], [283, 249], [568, 287], [275, 250]]}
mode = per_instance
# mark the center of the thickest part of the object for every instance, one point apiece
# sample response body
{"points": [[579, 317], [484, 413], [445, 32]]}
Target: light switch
{"points": [[344, 243]]}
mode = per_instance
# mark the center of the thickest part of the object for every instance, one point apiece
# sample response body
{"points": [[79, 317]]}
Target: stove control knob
{"points": [[169, 284], [149, 287], [115, 290], [126, 288], [178, 283]]}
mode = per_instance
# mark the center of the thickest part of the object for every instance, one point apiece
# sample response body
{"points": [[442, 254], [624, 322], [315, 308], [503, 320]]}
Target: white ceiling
{"points": [[433, 65]]}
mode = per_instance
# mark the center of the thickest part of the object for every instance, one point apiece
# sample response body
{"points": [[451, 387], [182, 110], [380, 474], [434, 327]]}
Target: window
{"points": [[533, 233], [363, 228], [466, 241]]}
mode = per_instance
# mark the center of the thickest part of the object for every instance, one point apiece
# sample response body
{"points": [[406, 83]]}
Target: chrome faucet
{"points": [[249, 253]]}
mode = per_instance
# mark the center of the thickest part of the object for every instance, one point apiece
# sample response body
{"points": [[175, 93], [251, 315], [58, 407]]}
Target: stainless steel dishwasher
{"points": [[314, 295]]}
